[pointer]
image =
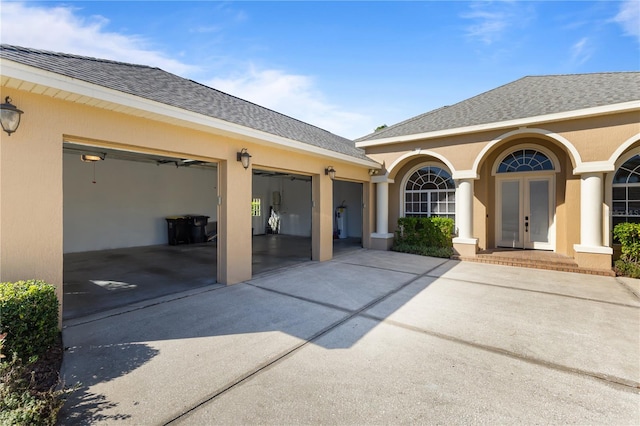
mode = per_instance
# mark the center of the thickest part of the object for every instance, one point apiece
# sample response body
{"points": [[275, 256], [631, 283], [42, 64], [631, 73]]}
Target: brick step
{"points": [[564, 265]]}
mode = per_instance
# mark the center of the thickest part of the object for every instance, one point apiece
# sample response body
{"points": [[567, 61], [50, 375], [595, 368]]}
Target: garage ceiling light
{"points": [[92, 158]]}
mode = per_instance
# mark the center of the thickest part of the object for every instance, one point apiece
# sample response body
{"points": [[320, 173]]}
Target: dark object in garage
{"points": [[197, 228], [178, 230]]}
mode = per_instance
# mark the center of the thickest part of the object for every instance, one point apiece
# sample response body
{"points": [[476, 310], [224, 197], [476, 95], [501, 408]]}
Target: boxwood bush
{"points": [[427, 236], [629, 236], [29, 317]]}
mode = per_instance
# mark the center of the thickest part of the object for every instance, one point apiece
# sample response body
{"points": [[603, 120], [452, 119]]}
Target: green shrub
{"points": [[426, 236], [29, 317], [629, 236]]}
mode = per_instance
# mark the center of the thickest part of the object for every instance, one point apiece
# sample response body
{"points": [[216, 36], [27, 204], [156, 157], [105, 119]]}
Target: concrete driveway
{"points": [[368, 338]]}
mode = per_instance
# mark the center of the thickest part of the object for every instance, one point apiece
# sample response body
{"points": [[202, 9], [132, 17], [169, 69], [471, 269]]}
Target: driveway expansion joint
{"points": [[549, 293], [291, 351], [625, 384]]}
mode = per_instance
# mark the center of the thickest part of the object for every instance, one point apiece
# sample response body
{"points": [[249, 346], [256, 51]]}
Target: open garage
{"points": [[162, 147]]}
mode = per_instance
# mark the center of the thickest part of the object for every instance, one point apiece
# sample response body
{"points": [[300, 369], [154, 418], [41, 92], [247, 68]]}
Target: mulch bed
{"points": [[46, 370]]}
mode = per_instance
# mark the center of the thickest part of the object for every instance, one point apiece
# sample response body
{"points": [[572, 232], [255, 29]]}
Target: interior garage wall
{"points": [[351, 194], [127, 205], [295, 204]]}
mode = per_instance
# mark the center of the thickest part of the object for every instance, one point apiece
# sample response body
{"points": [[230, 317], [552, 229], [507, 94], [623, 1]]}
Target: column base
{"points": [[381, 241], [593, 257], [465, 247]]}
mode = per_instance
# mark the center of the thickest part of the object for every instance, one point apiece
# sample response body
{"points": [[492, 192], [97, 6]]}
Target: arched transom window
{"points": [[525, 160], [626, 192], [430, 191]]}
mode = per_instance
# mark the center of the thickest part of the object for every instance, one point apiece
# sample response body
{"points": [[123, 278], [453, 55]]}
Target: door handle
{"points": [[526, 226]]}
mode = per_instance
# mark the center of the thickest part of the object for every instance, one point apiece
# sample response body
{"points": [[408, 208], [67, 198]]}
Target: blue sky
{"points": [[347, 67]]}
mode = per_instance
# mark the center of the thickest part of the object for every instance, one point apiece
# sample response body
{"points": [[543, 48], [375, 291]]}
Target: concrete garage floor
{"points": [[100, 280], [370, 337]]}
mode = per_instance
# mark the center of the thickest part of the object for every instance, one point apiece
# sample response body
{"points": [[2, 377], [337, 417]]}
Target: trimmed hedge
{"points": [[29, 316], [426, 236]]}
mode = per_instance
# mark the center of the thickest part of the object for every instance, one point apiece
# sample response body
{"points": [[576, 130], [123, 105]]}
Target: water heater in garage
{"points": [[341, 221]]}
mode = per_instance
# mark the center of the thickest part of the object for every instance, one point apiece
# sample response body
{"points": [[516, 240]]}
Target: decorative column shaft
{"points": [[382, 207], [464, 208], [591, 210]]}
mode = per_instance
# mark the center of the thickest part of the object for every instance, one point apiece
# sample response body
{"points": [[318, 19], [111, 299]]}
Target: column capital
{"points": [[381, 179], [594, 167], [464, 174]]}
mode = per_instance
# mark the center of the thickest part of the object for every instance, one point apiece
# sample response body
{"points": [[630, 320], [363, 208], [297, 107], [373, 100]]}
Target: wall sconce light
{"points": [[92, 158], [9, 116], [331, 172], [244, 157]]}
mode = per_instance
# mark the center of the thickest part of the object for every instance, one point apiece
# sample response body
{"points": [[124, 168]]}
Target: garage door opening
{"points": [[347, 216], [281, 220], [116, 235]]}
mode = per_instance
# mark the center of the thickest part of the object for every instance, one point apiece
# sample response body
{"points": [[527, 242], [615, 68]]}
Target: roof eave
{"points": [[521, 122], [136, 105]]}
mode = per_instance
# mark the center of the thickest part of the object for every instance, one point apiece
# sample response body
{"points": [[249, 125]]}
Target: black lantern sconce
{"points": [[9, 116], [331, 172], [244, 157]]}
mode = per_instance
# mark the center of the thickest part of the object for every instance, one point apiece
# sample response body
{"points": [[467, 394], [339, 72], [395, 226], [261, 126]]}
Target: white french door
{"points": [[525, 212]]}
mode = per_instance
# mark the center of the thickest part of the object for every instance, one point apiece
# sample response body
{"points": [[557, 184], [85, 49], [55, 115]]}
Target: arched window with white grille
{"points": [[430, 191], [525, 160], [626, 192]]}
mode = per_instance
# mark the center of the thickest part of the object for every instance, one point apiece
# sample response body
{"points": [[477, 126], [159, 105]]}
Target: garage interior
{"points": [[116, 235]]}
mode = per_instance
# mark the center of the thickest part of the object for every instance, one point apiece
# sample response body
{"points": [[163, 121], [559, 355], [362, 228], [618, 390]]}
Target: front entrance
{"points": [[524, 207]]}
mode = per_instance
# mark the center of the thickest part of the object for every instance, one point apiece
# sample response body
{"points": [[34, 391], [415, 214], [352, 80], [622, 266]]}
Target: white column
{"points": [[464, 208], [464, 244], [382, 208], [591, 219], [382, 239]]}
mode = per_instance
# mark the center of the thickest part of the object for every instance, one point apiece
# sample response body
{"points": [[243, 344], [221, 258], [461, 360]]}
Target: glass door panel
{"points": [[510, 234], [538, 211]]}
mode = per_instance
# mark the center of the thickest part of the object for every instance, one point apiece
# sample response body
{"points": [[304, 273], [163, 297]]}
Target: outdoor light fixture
{"points": [[92, 158], [244, 157], [331, 172], [9, 116], [373, 172]]}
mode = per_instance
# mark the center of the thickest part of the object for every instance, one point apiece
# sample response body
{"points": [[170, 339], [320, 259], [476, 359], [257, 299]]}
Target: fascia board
{"points": [[56, 81], [521, 122]]}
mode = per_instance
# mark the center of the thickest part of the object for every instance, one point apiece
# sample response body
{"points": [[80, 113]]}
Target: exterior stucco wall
{"points": [[594, 138]]}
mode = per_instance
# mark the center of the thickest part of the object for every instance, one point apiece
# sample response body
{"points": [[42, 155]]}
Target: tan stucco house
{"points": [[544, 163]]}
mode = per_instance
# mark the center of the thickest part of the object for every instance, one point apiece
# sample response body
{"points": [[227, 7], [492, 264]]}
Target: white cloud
{"points": [[67, 31], [490, 21], [60, 29], [629, 18], [581, 51], [296, 96]]}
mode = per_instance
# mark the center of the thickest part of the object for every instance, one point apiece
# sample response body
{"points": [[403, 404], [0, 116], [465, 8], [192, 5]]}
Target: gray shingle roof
{"points": [[160, 86], [523, 98]]}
